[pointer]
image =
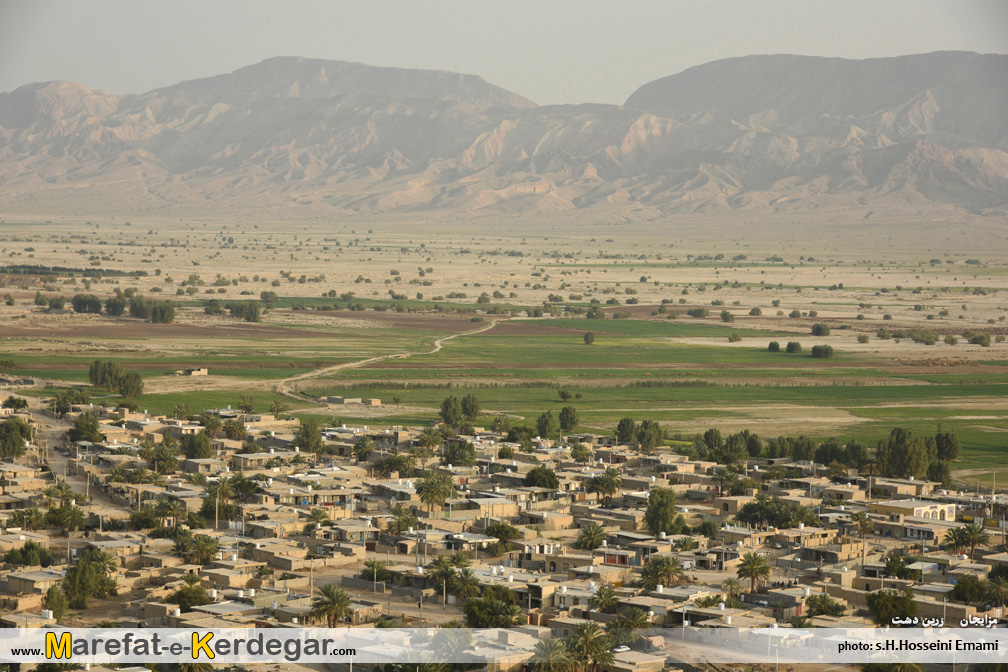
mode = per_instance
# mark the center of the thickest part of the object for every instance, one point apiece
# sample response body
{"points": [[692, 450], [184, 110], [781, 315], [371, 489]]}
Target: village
{"points": [[118, 518]]}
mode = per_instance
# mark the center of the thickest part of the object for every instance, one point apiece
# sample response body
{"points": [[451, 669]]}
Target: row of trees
{"points": [[110, 376]]}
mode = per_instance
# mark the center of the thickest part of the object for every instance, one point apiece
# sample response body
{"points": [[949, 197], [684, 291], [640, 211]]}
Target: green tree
{"points": [[400, 520], [887, 605], [441, 571], [662, 570], [649, 435], [363, 447], [31, 553], [278, 407], [434, 490], [864, 526], [551, 655], [569, 419], [56, 602], [470, 407], [591, 646], [197, 446], [451, 411], [85, 428], [968, 589], [542, 477], [547, 425], [580, 453], [591, 537], [309, 437], [589, 337], [947, 445], [822, 604], [494, 608], [332, 606], [189, 596], [661, 514], [626, 431], [755, 569], [465, 584], [246, 404], [604, 599]]}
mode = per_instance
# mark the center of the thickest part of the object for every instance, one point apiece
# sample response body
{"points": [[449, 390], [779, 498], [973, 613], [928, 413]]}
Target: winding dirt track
{"points": [[288, 386]]}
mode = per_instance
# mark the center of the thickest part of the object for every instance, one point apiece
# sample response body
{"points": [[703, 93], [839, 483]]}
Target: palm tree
{"points": [[755, 568], [29, 519], [442, 571], [731, 587], [664, 570], [63, 492], [117, 474], [997, 591], [104, 561], [212, 425], [181, 411], [624, 628], [974, 535], [400, 520], [204, 549], [278, 407], [430, 438], [363, 448], [863, 525], [175, 510], [315, 517], [460, 559], [434, 489], [71, 518], [551, 655], [164, 459], [591, 646], [333, 605], [246, 404], [955, 540], [465, 584], [161, 510], [191, 579], [685, 544], [591, 537], [604, 599]]}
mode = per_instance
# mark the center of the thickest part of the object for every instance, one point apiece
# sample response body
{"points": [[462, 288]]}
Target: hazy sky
{"points": [[552, 51]]}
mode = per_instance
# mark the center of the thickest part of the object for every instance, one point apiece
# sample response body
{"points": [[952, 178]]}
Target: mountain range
{"points": [[334, 137]]}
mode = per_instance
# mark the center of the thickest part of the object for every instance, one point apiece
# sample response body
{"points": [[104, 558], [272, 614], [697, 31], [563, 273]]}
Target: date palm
{"points": [[996, 590], [434, 489], [863, 525], [442, 571], [975, 536], [165, 458], [551, 655], [29, 519], [604, 599], [754, 568], [625, 628], [332, 606], [465, 584], [591, 646], [955, 540], [181, 411], [591, 537], [315, 517], [362, 448], [204, 549], [664, 570], [460, 559], [400, 520], [278, 407]]}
